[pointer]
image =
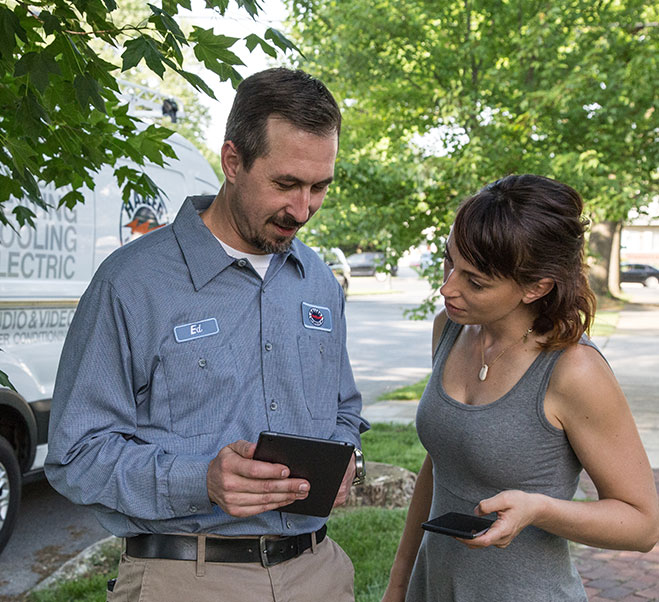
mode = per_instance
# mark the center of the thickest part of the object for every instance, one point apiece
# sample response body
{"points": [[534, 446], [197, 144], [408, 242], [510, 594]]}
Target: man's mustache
{"points": [[286, 222]]}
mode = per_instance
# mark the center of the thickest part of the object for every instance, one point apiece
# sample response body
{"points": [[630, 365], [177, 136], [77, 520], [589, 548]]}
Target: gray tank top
{"points": [[477, 452]]}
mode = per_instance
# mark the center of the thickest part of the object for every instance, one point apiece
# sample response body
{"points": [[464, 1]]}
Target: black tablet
{"points": [[320, 461]]}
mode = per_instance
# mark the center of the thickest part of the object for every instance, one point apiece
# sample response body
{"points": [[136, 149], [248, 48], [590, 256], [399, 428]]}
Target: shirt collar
{"points": [[204, 256]]}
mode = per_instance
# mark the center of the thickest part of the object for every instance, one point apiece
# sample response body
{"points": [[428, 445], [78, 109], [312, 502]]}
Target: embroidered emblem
{"points": [[316, 317], [196, 330]]}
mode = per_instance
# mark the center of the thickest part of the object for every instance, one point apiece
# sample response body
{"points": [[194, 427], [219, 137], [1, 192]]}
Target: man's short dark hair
{"points": [[294, 96]]}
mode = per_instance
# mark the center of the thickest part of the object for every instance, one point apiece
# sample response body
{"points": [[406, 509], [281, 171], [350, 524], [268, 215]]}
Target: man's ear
{"points": [[231, 160], [537, 290]]}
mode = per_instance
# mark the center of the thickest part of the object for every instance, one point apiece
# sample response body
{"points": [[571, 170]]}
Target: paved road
{"points": [[50, 530], [386, 348]]}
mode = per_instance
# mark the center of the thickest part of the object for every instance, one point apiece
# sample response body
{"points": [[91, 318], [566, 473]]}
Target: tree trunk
{"points": [[604, 257], [614, 264]]}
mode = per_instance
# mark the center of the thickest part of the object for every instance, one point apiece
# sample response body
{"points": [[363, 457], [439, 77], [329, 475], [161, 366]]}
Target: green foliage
{"points": [[562, 89], [63, 116], [370, 537], [5, 382], [396, 444], [87, 589], [410, 392]]}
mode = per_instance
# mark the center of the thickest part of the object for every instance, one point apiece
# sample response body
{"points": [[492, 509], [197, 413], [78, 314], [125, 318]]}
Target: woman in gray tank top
{"points": [[520, 401]]}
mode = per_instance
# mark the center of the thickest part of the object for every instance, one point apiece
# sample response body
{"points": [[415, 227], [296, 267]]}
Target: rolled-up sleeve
{"points": [[94, 457]]}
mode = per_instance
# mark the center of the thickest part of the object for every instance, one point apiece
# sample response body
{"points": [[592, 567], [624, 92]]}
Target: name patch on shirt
{"points": [[196, 330], [316, 317]]}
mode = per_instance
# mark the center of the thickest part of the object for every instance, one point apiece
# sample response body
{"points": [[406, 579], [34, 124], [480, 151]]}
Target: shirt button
{"points": [[193, 508], [273, 405], [202, 363], [268, 346], [242, 263]]}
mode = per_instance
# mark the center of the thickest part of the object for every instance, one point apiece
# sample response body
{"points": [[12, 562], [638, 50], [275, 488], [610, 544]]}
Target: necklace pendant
{"points": [[482, 375]]}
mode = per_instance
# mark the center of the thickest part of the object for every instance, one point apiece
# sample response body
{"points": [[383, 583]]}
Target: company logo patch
{"points": [[141, 215], [316, 317], [196, 330]]}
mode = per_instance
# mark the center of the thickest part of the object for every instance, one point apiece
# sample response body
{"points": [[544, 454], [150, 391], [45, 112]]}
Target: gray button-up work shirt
{"points": [[176, 350]]}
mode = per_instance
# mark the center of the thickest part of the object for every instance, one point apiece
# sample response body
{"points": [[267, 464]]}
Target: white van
{"points": [[43, 273]]}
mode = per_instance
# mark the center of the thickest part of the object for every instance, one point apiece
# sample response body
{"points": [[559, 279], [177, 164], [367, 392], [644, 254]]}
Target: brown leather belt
{"points": [[267, 550]]}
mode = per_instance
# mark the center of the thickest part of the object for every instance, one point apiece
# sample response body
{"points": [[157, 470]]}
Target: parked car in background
{"points": [[642, 273], [336, 260], [427, 259], [367, 264]]}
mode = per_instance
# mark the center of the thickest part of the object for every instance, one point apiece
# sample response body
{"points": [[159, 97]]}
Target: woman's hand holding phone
{"points": [[515, 510]]}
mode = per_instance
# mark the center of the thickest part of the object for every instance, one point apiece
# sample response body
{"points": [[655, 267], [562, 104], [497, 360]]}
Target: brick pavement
{"points": [[618, 575], [615, 574]]}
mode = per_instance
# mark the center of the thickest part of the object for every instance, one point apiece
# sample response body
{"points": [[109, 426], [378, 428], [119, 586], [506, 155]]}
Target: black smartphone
{"points": [[457, 524], [320, 461]]}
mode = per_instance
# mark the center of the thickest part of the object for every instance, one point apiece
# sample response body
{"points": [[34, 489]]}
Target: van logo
{"points": [[316, 317], [141, 215]]}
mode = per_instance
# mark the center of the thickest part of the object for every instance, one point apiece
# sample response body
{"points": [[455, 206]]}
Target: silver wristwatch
{"points": [[360, 467]]}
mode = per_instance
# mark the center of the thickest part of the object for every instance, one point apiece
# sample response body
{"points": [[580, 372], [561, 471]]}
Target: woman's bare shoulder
{"points": [[437, 327], [584, 380]]}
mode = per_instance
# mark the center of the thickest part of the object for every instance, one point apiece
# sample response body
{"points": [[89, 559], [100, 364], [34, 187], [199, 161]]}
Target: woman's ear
{"points": [[538, 289]]}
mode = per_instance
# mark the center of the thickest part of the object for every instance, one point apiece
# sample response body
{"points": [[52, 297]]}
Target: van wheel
{"points": [[10, 491]]}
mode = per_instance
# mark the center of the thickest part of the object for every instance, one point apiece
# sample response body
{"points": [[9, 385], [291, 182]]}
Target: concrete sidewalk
{"points": [[633, 352]]}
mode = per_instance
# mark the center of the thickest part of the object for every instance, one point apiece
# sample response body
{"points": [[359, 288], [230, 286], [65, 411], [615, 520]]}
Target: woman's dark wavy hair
{"points": [[528, 227]]}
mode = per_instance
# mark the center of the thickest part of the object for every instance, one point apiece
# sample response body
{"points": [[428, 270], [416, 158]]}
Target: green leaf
{"points": [[88, 92], [251, 6], [143, 48], [172, 6], [197, 82], [51, 23], [213, 51], [163, 19], [38, 66], [8, 187], [10, 27], [24, 215], [219, 5], [71, 198], [34, 116], [5, 382], [226, 72], [252, 40], [280, 40], [110, 5], [174, 47], [22, 154]]}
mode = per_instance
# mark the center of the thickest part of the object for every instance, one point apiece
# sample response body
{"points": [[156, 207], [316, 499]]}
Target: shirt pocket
{"points": [[319, 361], [202, 383]]}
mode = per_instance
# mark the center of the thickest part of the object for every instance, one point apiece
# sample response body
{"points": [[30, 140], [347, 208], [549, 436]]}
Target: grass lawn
{"points": [[368, 535], [396, 444]]}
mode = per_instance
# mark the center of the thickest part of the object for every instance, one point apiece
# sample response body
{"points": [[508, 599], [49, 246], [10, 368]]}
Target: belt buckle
{"points": [[263, 552]]}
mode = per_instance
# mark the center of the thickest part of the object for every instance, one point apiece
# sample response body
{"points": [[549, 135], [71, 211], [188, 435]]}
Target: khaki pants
{"points": [[326, 575]]}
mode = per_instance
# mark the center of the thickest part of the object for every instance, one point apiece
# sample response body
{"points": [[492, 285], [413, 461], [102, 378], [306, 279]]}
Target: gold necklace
{"points": [[482, 373]]}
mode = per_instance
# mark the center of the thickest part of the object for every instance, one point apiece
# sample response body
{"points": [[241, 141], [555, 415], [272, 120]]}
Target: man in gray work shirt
{"points": [[193, 339]]}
